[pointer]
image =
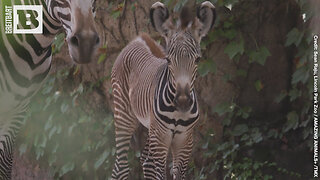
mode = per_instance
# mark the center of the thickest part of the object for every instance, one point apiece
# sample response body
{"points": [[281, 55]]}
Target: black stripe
{"points": [[158, 101]]}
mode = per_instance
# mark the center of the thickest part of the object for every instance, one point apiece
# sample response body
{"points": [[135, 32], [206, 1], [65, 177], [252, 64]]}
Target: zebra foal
{"points": [[25, 61], [155, 87]]}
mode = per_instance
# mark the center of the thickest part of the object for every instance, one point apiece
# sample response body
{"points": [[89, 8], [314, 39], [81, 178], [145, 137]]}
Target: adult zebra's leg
{"points": [[181, 150], [9, 128], [154, 167]]}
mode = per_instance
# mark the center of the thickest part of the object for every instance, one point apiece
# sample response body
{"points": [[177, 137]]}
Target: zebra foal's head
{"points": [[77, 19], [183, 46]]}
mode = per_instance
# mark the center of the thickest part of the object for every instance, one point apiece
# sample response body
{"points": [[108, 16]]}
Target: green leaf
{"points": [[64, 107], [211, 36], [223, 108], [49, 123], [84, 119], [84, 166], [52, 131], [55, 148], [47, 88], [234, 48], [115, 14], [281, 96], [43, 142], [230, 34], [306, 132], [227, 24], [300, 75], [39, 153], [206, 66], [292, 121], [58, 43], [226, 121], [259, 56], [294, 37], [242, 72], [227, 77], [102, 57], [240, 129], [179, 5], [256, 136], [205, 145], [273, 133], [101, 159], [66, 168], [258, 85], [244, 112], [70, 129], [267, 177], [245, 137], [133, 6], [80, 88], [52, 159], [76, 70], [23, 148], [229, 3], [294, 93]]}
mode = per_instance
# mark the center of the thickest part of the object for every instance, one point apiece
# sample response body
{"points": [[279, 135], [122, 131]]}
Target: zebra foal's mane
{"points": [[155, 48]]}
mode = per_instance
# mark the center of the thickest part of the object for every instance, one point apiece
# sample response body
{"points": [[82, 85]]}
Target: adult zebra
{"points": [[155, 87], [25, 61]]}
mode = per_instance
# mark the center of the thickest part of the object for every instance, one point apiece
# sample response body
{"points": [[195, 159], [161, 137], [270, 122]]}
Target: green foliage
{"points": [[258, 85], [259, 56], [116, 12], [240, 129], [206, 66], [294, 37], [66, 133], [58, 43], [250, 169], [234, 48], [103, 55], [76, 139], [292, 121], [241, 133]]}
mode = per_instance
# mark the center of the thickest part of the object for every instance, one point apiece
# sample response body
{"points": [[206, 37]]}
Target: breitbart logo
{"points": [[23, 19]]}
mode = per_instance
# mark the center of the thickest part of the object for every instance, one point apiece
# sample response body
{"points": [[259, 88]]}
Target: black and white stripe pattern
{"points": [[25, 61], [157, 90]]}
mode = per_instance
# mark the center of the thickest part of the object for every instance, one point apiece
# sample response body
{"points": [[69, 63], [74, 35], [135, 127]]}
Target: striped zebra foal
{"points": [[25, 61], [155, 87]]}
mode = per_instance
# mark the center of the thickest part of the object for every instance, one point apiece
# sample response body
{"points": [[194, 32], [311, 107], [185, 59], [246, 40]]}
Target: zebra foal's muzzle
{"points": [[83, 47], [182, 99]]}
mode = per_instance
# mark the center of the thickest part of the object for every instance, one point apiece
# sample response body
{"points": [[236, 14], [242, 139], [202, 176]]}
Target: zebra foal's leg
{"points": [[181, 151], [145, 152], [125, 126], [154, 166]]}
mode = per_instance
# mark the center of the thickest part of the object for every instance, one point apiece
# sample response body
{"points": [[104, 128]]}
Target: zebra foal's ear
{"points": [[206, 16], [159, 16]]}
